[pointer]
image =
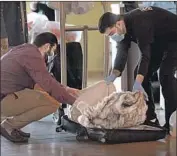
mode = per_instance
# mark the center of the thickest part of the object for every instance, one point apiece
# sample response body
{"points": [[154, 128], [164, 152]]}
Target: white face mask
{"points": [[116, 37], [50, 53], [51, 57], [175, 74]]}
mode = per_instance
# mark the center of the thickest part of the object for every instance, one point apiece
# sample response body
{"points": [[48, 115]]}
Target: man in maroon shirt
{"points": [[21, 68]]}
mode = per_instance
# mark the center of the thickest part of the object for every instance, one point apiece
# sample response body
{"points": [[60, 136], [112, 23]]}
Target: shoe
{"points": [[14, 136], [167, 127], [152, 123], [26, 135]]}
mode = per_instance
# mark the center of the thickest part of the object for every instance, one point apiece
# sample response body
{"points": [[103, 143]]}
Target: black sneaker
{"points": [[152, 123]]}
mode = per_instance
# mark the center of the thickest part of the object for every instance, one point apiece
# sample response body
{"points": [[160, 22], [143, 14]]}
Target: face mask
{"points": [[117, 37], [49, 56], [50, 53]]}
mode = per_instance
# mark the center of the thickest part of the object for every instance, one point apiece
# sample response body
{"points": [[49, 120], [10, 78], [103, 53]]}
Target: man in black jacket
{"points": [[155, 31]]}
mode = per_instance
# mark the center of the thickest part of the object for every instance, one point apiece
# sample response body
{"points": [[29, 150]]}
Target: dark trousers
{"points": [[165, 58], [74, 66]]}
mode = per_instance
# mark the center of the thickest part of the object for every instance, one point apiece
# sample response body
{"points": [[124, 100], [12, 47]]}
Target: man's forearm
{"points": [[122, 55], [139, 77]]}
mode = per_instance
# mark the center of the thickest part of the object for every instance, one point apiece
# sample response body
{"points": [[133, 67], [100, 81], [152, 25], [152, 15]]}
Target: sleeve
{"points": [[35, 67], [122, 54], [145, 58], [145, 37]]}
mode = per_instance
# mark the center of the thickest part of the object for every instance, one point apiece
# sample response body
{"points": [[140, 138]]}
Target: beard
{"points": [[50, 53]]}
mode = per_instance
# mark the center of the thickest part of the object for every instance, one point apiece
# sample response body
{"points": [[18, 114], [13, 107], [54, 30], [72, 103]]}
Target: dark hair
{"points": [[107, 20], [44, 38]]}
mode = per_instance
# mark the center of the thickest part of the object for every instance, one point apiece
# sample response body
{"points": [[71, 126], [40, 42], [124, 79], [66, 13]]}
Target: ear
{"points": [[107, 31], [118, 23], [47, 46]]}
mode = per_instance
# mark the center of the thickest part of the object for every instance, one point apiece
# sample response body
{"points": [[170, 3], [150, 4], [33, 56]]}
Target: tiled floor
{"points": [[46, 142]]}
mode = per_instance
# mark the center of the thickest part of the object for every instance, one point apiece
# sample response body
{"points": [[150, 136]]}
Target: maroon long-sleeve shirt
{"points": [[23, 67]]}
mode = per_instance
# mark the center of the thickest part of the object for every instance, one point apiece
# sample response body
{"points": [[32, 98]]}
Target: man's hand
{"points": [[113, 76], [140, 78], [138, 87], [110, 78], [74, 92]]}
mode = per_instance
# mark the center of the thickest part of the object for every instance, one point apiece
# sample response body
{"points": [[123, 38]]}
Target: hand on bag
{"points": [[74, 92], [138, 87], [110, 78]]}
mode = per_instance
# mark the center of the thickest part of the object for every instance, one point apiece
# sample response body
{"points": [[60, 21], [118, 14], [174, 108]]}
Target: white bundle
{"points": [[111, 111], [75, 7]]}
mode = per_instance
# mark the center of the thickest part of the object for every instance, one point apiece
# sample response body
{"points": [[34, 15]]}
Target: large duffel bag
{"points": [[141, 133]]}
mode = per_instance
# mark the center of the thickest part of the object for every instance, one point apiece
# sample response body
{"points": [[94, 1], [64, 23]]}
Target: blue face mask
{"points": [[117, 37]]}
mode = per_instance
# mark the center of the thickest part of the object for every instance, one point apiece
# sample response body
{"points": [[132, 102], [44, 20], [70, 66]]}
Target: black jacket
{"points": [[146, 28]]}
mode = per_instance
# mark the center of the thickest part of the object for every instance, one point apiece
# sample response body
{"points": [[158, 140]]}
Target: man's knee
{"points": [[46, 99], [26, 100]]}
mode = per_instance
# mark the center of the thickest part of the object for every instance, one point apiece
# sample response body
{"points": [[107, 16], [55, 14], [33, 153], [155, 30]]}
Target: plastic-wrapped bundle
{"points": [[76, 7], [70, 36], [38, 23], [132, 107], [173, 124], [113, 110]]}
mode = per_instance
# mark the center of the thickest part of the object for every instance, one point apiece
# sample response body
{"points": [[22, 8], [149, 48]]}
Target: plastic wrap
{"points": [[173, 124], [38, 23], [70, 36], [76, 7], [100, 106]]}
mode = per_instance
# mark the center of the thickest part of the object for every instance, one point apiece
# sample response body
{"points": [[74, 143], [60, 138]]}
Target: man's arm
{"points": [[120, 60], [35, 67], [143, 69], [144, 31], [144, 62], [121, 57]]}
